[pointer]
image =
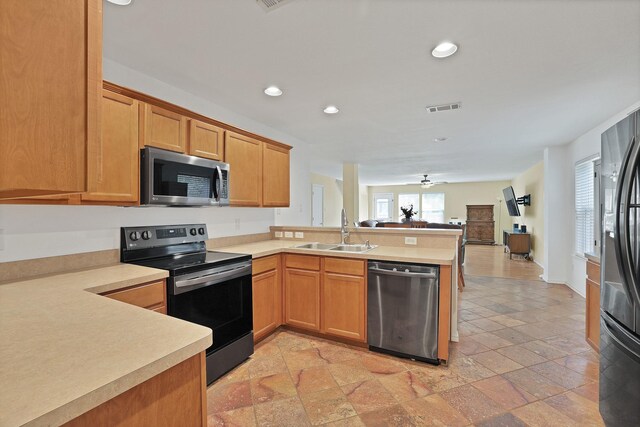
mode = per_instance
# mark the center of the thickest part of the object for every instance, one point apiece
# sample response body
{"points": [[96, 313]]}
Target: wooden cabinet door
{"points": [[114, 167], [267, 298], [206, 140], [302, 299], [164, 129], [50, 83], [275, 176], [344, 309], [244, 154]]}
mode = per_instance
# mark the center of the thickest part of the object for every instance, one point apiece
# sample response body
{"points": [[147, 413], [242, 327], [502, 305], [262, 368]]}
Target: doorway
{"points": [[317, 205]]}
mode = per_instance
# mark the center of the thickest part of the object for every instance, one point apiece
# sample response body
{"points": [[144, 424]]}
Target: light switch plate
{"points": [[278, 233], [410, 240], [299, 235], [288, 234]]}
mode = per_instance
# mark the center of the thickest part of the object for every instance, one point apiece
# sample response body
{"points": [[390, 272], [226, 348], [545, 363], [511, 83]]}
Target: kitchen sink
{"points": [[320, 246], [336, 247], [353, 248]]}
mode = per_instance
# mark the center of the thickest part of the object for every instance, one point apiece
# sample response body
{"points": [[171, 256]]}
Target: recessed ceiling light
{"points": [[273, 91], [444, 50], [120, 2], [440, 139], [331, 109]]}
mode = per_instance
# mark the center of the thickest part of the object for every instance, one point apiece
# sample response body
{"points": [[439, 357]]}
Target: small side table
{"points": [[516, 242]]}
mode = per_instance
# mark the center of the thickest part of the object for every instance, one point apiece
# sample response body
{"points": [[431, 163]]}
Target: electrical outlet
{"points": [[288, 234], [299, 235], [410, 240], [278, 233]]}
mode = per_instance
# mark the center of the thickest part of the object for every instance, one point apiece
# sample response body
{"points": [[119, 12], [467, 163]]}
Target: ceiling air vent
{"points": [[444, 107], [269, 5]]}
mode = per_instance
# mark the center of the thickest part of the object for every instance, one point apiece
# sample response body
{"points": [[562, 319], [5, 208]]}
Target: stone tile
{"points": [[506, 320], [282, 413], [590, 391], [534, 383], [272, 387], [347, 422], [301, 359], [466, 329], [502, 308], [291, 342], [504, 420], [491, 340], [513, 336], [392, 416], [313, 379], [586, 364], [504, 392], [335, 354], [469, 368], [568, 345], [433, 410], [540, 414], [382, 366], [466, 315], [327, 406], [237, 418], [472, 403], [470, 346], [580, 409], [536, 330], [368, 396], [543, 349], [405, 386], [267, 365], [440, 379], [496, 362], [239, 373], [349, 372], [521, 355], [487, 325], [559, 374], [266, 349], [228, 396]]}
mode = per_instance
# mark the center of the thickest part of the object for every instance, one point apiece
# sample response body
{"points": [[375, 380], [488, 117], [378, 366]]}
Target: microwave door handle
{"points": [[217, 188]]}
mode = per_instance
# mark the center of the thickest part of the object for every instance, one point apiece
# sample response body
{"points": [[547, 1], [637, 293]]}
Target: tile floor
{"points": [[521, 360]]}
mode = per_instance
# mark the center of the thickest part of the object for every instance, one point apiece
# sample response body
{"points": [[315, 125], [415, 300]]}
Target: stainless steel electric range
{"points": [[209, 288]]}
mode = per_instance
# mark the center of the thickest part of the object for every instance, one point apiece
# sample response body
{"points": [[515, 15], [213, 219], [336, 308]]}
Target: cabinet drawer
{"points": [[260, 265], [303, 262], [148, 295], [593, 272], [355, 267]]}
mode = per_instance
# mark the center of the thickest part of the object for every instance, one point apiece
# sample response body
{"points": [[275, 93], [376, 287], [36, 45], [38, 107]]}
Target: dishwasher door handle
{"points": [[375, 270]]}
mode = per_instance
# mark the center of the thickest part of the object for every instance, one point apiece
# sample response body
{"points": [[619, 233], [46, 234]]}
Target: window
{"points": [[584, 181], [406, 200], [383, 206], [433, 207]]}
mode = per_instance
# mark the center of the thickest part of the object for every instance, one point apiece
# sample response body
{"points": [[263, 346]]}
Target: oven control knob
{"points": [[201, 231], [193, 231], [134, 235], [146, 235]]}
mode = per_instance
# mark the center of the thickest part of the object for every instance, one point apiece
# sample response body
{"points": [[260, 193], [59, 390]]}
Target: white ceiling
{"points": [[529, 74]]}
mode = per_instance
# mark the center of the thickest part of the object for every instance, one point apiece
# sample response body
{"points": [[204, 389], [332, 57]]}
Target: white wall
{"points": [[559, 204], [31, 231]]}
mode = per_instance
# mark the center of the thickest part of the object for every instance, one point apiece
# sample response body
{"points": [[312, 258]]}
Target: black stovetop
{"points": [[178, 265]]}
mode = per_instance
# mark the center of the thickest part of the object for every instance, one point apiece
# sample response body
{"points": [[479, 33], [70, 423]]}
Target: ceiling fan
{"points": [[427, 183]]}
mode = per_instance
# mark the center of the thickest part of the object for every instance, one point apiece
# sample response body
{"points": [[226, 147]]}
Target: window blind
{"points": [[584, 207], [433, 207]]}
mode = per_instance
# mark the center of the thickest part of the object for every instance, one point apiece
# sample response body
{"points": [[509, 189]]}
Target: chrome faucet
{"points": [[344, 233]]}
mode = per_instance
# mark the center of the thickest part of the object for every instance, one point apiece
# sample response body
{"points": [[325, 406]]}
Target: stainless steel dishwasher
{"points": [[402, 310]]}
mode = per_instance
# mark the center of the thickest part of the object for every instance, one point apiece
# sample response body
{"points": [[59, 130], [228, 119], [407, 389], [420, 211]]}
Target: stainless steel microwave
{"points": [[173, 179]]}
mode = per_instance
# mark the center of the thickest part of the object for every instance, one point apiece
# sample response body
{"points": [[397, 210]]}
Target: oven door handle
{"points": [[213, 278]]}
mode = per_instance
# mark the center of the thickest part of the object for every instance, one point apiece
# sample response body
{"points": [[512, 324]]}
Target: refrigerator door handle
{"points": [[623, 238]]}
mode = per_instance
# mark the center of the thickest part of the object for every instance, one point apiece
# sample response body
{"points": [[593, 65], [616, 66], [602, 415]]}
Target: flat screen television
{"points": [[511, 201]]}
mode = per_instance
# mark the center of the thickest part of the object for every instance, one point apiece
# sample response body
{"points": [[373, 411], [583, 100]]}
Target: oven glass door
{"points": [[224, 307]]}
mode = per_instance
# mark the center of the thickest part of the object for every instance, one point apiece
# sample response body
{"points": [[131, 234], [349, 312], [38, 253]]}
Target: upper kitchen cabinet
{"points": [[50, 81], [164, 129], [206, 140], [275, 176], [113, 166], [244, 154]]}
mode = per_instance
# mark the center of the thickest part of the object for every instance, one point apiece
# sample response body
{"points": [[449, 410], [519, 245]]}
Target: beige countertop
{"points": [[65, 350], [384, 253], [592, 257]]}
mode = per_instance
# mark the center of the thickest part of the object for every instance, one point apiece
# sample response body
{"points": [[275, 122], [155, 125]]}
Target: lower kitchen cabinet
{"points": [[302, 292], [267, 296], [344, 309], [592, 314], [152, 296]]}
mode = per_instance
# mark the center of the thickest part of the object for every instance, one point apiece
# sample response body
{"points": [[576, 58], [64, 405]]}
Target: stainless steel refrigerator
{"points": [[620, 274]]}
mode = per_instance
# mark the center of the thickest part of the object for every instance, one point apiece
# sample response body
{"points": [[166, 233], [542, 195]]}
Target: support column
{"points": [[351, 191]]}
